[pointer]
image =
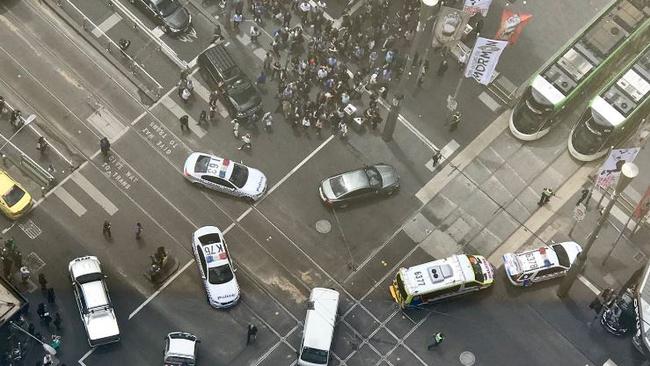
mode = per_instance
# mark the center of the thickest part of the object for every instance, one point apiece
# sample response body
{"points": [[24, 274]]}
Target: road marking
{"points": [[589, 285], [94, 193], [106, 123], [410, 126], [178, 112], [30, 229], [204, 93], [447, 151], [157, 32], [244, 39], [451, 170], [170, 280], [260, 53], [85, 356], [70, 201], [303, 162], [542, 215], [106, 25], [489, 102]]}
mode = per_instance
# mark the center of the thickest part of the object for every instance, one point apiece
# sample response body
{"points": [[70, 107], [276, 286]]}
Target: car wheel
{"points": [[249, 200]]}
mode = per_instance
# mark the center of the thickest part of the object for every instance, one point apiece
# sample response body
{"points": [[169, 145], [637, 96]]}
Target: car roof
{"points": [[354, 179], [180, 345], [84, 265], [218, 248], [94, 294], [218, 167], [322, 317], [542, 257], [438, 274]]}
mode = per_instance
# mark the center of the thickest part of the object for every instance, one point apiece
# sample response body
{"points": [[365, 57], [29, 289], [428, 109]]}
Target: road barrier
{"points": [[37, 171], [89, 30]]}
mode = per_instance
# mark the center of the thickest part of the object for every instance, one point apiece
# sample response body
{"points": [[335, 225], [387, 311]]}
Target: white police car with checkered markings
{"points": [[215, 267], [225, 176]]}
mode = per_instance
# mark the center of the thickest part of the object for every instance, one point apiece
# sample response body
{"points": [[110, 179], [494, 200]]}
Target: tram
{"points": [[615, 113], [574, 68]]}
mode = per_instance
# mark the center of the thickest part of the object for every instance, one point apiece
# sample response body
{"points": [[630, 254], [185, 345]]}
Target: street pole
{"points": [[628, 172], [49, 349], [424, 28]]}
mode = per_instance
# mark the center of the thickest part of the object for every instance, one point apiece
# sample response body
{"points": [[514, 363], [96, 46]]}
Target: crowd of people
{"points": [[320, 68]]}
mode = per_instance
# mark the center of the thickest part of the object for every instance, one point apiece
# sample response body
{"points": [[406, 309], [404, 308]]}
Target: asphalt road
{"points": [[279, 253]]}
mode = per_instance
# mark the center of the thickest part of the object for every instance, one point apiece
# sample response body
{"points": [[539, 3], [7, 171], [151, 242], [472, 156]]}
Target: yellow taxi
{"points": [[14, 199]]}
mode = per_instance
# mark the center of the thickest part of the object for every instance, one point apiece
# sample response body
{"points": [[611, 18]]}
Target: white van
{"points": [[319, 327]]}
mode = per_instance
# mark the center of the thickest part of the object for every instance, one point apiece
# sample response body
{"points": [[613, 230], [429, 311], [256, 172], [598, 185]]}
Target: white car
{"points": [[215, 267], [541, 264], [180, 349], [93, 301], [225, 176]]}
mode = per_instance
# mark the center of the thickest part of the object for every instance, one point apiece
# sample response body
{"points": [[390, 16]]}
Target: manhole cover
{"points": [[467, 358], [323, 226]]}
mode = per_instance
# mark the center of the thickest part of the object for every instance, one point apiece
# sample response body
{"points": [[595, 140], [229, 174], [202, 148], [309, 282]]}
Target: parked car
{"points": [[369, 181], [95, 307], [170, 14], [180, 349], [619, 317], [222, 73], [541, 264]]}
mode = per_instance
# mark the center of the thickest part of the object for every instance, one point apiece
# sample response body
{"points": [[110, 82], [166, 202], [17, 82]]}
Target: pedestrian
{"points": [[268, 121], [583, 196], [55, 341], [442, 68], [41, 310], [216, 34], [437, 339], [42, 281], [212, 116], [235, 128], [454, 120], [203, 117], [319, 127], [104, 146], [435, 159], [7, 265], [41, 144], [124, 45], [545, 196], [236, 20], [47, 360], [247, 142], [268, 61], [57, 321], [261, 79], [254, 33], [106, 229], [601, 300], [138, 231], [184, 120], [24, 274], [214, 97], [51, 297], [251, 334]]}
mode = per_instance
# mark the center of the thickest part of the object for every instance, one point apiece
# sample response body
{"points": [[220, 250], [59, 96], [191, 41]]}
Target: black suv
{"points": [[619, 317], [221, 72]]}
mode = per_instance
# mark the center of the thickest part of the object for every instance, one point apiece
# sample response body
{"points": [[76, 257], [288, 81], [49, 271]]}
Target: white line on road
{"points": [[94, 193], [589, 285], [170, 280], [410, 126], [106, 25], [90, 351], [70, 201], [178, 111]]}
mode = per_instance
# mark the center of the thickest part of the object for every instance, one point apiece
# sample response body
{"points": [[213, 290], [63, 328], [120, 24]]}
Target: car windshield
{"points": [[220, 274], [14, 195], [476, 267], [167, 7], [562, 256], [314, 355], [338, 188], [374, 178], [239, 175], [202, 164]]}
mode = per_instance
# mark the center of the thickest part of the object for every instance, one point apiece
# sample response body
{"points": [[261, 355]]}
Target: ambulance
{"points": [[440, 279]]}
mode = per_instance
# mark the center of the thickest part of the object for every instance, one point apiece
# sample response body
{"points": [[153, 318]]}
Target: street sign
{"points": [[579, 212], [452, 104]]}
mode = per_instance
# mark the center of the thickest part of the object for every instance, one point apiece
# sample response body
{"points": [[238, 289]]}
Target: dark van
{"points": [[222, 73]]}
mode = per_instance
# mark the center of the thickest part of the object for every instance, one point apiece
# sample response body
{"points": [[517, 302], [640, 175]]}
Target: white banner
{"points": [[477, 6], [484, 59], [611, 169]]}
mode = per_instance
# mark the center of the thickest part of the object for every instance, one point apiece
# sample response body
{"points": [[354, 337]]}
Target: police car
{"points": [[225, 176], [541, 264], [215, 267]]}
